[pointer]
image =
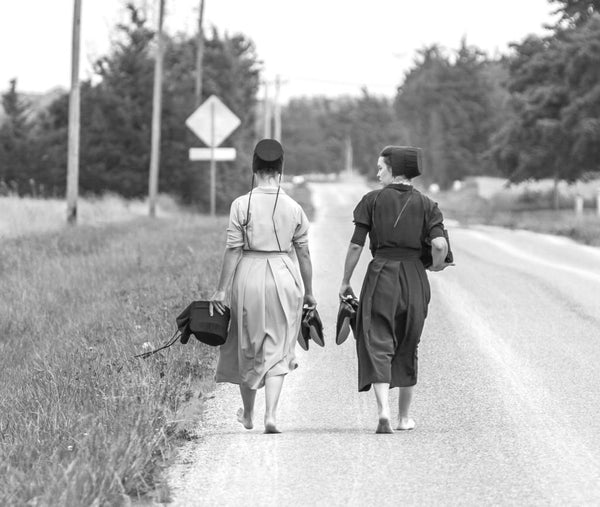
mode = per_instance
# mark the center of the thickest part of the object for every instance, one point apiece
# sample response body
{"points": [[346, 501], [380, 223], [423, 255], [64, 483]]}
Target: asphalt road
{"points": [[507, 406]]}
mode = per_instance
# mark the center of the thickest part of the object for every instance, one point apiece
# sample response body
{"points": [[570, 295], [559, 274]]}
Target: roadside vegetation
{"points": [[83, 422], [532, 210]]}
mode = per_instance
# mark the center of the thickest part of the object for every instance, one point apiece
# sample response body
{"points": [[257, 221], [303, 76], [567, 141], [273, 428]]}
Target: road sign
{"points": [[213, 121], [218, 154]]}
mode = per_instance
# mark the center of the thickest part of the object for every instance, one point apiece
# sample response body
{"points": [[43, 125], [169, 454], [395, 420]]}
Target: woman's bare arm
{"points": [[352, 257], [305, 265], [231, 257]]}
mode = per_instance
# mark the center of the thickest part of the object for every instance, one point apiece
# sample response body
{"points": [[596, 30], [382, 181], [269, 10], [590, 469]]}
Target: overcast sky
{"points": [[317, 46]]}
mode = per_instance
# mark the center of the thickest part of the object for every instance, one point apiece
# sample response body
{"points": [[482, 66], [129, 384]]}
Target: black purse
{"points": [[195, 320]]}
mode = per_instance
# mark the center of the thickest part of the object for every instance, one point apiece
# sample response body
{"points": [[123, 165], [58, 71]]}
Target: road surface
{"points": [[507, 406]]}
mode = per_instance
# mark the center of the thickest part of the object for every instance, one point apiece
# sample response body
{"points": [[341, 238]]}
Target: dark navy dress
{"points": [[395, 292]]}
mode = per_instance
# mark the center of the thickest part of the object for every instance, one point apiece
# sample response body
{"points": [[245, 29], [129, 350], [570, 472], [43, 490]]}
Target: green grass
{"points": [[81, 421], [527, 212], [25, 215]]}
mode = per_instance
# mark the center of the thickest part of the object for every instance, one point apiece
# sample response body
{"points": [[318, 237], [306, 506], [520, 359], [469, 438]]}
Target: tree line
{"points": [[532, 113], [116, 111]]}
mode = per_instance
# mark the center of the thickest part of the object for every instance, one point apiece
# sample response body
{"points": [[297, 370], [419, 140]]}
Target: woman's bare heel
{"points": [[406, 423], [271, 427], [384, 426], [245, 421]]}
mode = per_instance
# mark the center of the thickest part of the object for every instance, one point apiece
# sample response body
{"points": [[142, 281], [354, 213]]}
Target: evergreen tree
{"points": [[316, 131], [447, 106], [116, 116], [15, 130], [555, 97], [576, 12]]}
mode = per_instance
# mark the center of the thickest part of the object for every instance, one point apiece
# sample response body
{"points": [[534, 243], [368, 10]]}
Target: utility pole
{"points": [[199, 54], [156, 114], [349, 161], [267, 111], [74, 116], [277, 110], [213, 164]]}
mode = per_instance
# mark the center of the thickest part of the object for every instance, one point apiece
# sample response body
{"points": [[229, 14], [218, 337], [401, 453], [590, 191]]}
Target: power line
{"points": [[342, 83]]}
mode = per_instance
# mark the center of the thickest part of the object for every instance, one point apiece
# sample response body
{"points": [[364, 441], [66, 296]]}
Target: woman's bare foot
{"points": [[406, 423], [270, 426], [245, 421], [384, 426]]}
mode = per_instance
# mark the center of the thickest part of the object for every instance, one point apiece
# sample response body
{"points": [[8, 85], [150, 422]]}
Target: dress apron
{"points": [[390, 318], [266, 286]]}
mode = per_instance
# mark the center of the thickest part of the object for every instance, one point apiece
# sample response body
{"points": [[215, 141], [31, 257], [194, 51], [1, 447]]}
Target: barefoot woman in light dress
{"points": [[269, 289], [395, 292]]}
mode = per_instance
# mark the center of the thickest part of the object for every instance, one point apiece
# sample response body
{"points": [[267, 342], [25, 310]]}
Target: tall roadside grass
{"points": [[26, 215], [528, 210], [81, 421]]}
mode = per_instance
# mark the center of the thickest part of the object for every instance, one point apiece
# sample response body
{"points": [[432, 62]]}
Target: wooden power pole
{"points": [[74, 113], [277, 110], [156, 113], [199, 55], [267, 112]]}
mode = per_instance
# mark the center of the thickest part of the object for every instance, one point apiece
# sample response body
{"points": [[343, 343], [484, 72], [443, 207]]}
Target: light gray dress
{"points": [[267, 291]]}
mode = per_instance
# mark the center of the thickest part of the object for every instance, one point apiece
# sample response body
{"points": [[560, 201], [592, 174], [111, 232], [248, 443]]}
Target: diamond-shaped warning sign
{"points": [[213, 121]]}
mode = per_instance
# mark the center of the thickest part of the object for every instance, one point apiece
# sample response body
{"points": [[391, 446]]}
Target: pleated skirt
{"points": [[390, 319], [266, 311]]}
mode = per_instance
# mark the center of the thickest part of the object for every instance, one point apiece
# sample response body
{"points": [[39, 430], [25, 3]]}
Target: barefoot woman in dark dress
{"points": [[395, 292]]}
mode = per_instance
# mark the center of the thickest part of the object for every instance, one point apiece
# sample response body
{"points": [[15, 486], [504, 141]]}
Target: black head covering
{"points": [[268, 155], [405, 160]]}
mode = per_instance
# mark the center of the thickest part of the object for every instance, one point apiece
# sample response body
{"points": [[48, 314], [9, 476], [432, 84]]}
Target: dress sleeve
{"points": [[235, 233], [362, 213], [435, 222], [360, 235], [300, 237]]}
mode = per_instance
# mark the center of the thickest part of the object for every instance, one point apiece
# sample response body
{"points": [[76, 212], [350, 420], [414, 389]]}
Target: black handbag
{"points": [[195, 320]]}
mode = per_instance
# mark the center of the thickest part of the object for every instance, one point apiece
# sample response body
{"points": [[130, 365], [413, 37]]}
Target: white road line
{"points": [[533, 259]]}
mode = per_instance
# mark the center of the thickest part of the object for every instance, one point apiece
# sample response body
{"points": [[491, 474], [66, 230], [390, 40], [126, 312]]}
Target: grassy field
{"points": [[531, 211], [82, 422], [19, 215]]}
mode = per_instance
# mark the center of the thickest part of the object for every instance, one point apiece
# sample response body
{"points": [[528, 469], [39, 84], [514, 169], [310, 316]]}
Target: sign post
{"points": [[212, 122]]}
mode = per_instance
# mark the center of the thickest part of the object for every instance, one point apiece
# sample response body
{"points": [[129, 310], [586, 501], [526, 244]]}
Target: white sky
{"points": [[326, 47]]}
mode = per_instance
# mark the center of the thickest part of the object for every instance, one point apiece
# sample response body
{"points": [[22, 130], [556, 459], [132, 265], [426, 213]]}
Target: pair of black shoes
{"points": [[311, 328], [346, 318]]}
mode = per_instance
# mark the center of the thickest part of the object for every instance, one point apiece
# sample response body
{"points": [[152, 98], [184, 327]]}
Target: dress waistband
{"points": [[263, 253], [398, 254]]}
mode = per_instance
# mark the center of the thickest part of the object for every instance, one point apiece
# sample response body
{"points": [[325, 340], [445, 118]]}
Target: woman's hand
{"points": [[309, 301], [346, 291], [217, 301]]}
